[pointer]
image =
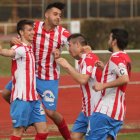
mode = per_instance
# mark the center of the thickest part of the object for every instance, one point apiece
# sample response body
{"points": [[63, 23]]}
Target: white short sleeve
{"points": [[20, 52]]}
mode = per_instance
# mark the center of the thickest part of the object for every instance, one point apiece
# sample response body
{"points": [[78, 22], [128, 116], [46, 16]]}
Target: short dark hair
{"points": [[22, 23], [58, 5], [78, 37], [121, 35]]}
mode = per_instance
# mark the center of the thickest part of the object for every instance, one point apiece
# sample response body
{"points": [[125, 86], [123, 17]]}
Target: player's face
{"points": [[74, 50], [28, 33], [53, 16], [110, 41]]}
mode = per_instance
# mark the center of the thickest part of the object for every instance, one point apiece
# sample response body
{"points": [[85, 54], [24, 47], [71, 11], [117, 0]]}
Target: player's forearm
{"points": [[118, 82], [78, 77], [7, 53]]}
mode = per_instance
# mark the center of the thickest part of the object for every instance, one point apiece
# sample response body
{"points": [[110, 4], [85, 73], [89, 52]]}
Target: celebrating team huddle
{"points": [[33, 89]]}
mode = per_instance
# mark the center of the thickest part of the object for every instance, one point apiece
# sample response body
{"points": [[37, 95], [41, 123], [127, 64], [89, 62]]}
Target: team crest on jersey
{"points": [[89, 69], [48, 96], [89, 56]]}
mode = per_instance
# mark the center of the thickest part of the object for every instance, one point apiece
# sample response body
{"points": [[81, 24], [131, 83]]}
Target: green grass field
{"points": [[120, 137], [130, 136]]}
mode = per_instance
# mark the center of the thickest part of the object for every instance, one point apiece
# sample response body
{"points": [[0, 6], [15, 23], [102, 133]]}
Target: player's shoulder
{"points": [[63, 30], [16, 46], [38, 23], [120, 57], [91, 55]]}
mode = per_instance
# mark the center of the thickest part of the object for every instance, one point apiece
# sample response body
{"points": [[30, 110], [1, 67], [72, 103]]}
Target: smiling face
{"points": [[27, 33], [53, 16]]}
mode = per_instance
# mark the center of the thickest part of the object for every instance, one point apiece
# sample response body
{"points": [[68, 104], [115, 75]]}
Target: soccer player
{"points": [[86, 75], [49, 35], [25, 108], [109, 113]]}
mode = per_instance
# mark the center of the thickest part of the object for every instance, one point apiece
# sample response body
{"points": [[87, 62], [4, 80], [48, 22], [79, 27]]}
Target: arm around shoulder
{"points": [[7, 52]]}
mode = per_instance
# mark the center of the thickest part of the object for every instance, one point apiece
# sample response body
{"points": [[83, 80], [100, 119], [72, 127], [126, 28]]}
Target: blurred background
{"points": [[12, 10], [94, 18]]}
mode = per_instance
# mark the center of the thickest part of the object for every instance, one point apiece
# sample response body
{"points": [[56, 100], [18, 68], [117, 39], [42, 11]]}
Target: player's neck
{"points": [[48, 27], [29, 43], [116, 49]]}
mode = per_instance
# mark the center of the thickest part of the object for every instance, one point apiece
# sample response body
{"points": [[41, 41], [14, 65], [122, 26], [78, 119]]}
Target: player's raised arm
{"points": [[80, 78], [7, 52]]}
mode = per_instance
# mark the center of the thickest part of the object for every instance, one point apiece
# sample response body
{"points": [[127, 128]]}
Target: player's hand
{"points": [[87, 49], [56, 53], [15, 41], [62, 62], [98, 86], [99, 64]]}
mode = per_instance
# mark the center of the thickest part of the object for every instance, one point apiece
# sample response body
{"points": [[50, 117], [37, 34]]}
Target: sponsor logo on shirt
{"points": [[89, 69]]}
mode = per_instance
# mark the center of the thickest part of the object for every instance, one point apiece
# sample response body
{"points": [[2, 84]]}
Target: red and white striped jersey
{"points": [[23, 74], [112, 102], [86, 65], [44, 43]]}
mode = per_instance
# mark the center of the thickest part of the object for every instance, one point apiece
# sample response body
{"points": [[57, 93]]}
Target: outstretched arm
{"points": [[7, 53], [80, 78]]}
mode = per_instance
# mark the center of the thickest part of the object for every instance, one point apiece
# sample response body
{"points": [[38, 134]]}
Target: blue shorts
{"points": [[81, 124], [25, 113], [9, 86], [100, 126], [48, 90]]}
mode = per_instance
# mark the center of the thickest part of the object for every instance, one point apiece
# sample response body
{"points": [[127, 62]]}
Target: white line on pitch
{"points": [[77, 86]]}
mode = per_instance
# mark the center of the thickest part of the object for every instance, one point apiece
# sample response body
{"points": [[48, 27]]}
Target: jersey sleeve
{"points": [[120, 66], [65, 35], [20, 51], [89, 65]]}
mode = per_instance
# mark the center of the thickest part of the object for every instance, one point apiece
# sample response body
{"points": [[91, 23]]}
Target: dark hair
{"points": [[22, 23], [78, 37], [58, 5], [121, 36]]}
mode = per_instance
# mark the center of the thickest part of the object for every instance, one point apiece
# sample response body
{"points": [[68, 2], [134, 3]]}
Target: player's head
{"points": [[53, 13], [119, 38], [76, 44], [25, 29]]}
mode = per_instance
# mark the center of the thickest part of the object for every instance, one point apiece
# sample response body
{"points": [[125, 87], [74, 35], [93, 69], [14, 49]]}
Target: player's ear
{"points": [[21, 32], [114, 42], [46, 14], [78, 43]]}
